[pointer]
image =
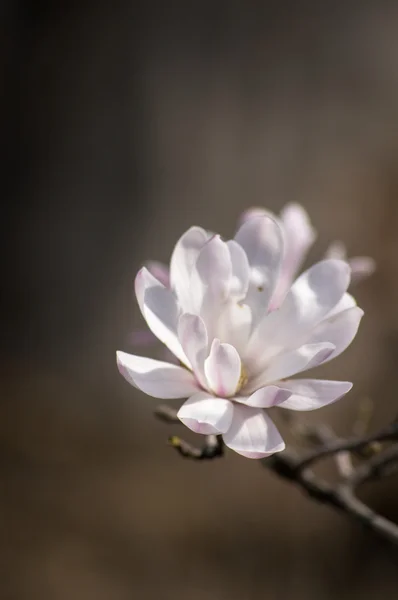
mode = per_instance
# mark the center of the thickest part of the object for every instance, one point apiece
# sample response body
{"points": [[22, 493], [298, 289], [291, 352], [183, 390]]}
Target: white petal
{"points": [[255, 211], [182, 261], [203, 413], [310, 299], [299, 236], [160, 271], [295, 361], [361, 267], [310, 394], [193, 337], [223, 369], [240, 270], [265, 397], [252, 433], [340, 330], [262, 240], [347, 301], [234, 325], [210, 282], [160, 310], [337, 250], [156, 378]]}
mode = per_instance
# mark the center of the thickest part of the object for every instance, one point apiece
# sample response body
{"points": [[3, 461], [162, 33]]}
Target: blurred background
{"points": [[122, 124]]}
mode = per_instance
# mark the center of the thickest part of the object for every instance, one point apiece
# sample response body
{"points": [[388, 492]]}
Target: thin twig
{"points": [[297, 469], [212, 448]]}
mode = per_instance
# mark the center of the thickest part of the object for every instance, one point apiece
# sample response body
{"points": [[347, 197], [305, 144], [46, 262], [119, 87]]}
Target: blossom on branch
{"points": [[238, 348]]}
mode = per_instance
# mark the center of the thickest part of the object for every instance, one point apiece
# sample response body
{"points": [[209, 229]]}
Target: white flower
{"points": [[299, 236], [238, 357]]}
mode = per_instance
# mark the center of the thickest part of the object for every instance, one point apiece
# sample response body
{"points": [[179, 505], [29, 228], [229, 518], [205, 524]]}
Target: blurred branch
{"points": [[297, 469]]}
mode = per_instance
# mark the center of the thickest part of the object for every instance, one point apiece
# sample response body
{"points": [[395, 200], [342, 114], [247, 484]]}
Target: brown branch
{"points": [[297, 469], [212, 448]]}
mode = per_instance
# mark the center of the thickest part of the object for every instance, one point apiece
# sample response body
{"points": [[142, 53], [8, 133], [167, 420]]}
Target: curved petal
{"points": [[210, 282], [160, 271], [266, 397], [182, 261], [193, 337], [292, 362], [340, 330], [223, 369], [347, 301], [262, 240], [252, 433], [156, 378], [255, 211], [234, 325], [361, 267], [310, 394], [240, 270], [160, 310], [203, 413], [310, 299], [299, 236]]}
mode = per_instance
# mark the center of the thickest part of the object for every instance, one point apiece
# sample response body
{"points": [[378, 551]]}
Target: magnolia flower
{"points": [[299, 236], [237, 357]]}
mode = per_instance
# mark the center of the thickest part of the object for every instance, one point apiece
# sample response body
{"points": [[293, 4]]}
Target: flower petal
{"points": [[240, 270], [361, 267], [252, 433], [310, 299], [262, 239], [223, 369], [182, 261], [266, 397], [347, 301], [203, 413], [299, 236], [160, 310], [160, 271], [210, 282], [292, 362], [156, 378], [310, 394], [193, 337], [339, 329]]}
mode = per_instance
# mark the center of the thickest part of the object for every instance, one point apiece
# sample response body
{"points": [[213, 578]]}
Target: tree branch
{"points": [[289, 465]]}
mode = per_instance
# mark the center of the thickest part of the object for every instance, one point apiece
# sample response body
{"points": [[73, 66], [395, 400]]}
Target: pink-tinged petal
{"points": [[252, 433], [223, 369], [292, 362], [203, 413], [299, 236], [255, 211], [193, 337], [311, 394], [156, 378], [240, 271], [160, 310], [361, 267], [310, 299], [262, 240], [339, 329], [160, 271], [266, 397], [182, 261], [337, 250]]}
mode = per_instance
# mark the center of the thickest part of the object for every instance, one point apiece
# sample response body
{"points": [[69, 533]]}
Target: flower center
{"points": [[243, 379]]}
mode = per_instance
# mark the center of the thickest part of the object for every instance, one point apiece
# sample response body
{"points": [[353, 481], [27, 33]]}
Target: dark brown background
{"points": [[121, 125]]}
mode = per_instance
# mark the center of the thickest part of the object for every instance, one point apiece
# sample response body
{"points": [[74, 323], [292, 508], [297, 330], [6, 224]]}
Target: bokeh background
{"points": [[122, 124]]}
